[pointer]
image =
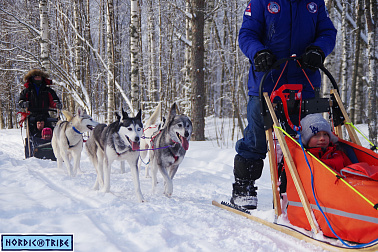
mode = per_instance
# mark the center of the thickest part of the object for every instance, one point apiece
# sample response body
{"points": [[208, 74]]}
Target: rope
{"points": [[305, 75], [374, 147], [313, 190], [156, 148]]}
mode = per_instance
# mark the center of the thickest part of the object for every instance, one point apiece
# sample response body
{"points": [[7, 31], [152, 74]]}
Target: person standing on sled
{"points": [[273, 30], [37, 96]]}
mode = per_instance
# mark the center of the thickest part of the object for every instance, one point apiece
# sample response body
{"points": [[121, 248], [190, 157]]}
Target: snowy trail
{"points": [[36, 197]]}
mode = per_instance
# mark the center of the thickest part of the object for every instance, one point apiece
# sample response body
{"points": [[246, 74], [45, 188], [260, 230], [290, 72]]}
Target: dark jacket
{"points": [[285, 27], [45, 99]]}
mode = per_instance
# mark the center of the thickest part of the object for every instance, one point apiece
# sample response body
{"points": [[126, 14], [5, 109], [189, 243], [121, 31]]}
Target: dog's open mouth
{"points": [[90, 127], [184, 141], [134, 145]]}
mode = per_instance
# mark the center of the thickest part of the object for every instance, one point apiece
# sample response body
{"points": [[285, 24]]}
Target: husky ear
{"points": [[139, 115], [173, 112], [79, 111], [118, 116], [124, 115], [177, 109]]}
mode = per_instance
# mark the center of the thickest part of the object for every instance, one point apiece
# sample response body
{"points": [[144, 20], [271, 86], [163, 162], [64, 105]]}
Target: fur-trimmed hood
{"points": [[34, 72]]}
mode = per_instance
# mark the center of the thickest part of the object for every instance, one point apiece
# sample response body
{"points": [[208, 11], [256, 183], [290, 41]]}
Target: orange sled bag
{"points": [[349, 202]]}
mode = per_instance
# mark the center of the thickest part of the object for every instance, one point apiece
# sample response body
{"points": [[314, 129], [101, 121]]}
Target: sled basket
{"points": [[349, 202]]}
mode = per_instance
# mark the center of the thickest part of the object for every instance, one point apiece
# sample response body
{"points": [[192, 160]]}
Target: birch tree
{"points": [[345, 52], [153, 80], [353, 92], [134, 50], [110, 59], [43, 10], [371, 9]]}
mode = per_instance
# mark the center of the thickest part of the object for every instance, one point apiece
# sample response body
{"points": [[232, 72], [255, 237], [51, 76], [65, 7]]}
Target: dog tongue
{"points": [[135, 146], [184, 143]]}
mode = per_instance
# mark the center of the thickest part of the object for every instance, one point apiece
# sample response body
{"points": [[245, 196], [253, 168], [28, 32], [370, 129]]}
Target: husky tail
{"points": [[68, 115], [155, 116]]}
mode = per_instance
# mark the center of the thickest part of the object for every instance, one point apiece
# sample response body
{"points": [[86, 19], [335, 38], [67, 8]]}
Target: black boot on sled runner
{"points": [[244, 191]]}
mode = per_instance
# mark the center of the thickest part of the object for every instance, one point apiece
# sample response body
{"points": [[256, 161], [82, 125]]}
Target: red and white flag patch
{"points": [[248, 10]]}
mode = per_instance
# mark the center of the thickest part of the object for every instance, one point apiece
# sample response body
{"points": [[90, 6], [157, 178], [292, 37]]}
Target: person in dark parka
{"points": [[38, 96]]}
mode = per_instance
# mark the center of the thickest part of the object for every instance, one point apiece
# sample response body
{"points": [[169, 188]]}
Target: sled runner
{"points": [[35, 146], [289, 231], [342, 205]]}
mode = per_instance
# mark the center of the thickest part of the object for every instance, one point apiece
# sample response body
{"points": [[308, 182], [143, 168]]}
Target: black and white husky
{"points": [[170, 146], [67, 140], [118, 141]]}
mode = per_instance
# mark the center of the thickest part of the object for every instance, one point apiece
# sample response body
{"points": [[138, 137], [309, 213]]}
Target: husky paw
{"points": [[104, 190], [169, 195]]}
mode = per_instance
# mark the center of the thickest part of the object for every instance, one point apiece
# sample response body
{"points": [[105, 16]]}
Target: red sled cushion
{"points": [[361, 169]]}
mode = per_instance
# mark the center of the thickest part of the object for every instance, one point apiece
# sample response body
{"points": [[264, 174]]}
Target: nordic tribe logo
{"points": [[35, 242]]}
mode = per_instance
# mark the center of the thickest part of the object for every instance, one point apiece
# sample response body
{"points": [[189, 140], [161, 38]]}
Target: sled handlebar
{"points": [[41, 110], [277, 65]]}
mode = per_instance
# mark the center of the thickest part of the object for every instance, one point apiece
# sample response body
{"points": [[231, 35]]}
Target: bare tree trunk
{"points": [[152, 80], [198, 92], [2, 124], [371, 9], [134, 50], [359, 91], [359, 13], [45, 50], [161, 93], [78, 45], [110, 60], [187, 62], [345, 53], [87, 35]]}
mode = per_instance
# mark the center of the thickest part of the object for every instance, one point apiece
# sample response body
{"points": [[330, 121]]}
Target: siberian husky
{"points": [[152, 127], [67, 140], [170, 146], [118, 141]]}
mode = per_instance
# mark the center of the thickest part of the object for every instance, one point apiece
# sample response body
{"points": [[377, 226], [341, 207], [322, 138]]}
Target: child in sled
{"points": [[318, 139]]}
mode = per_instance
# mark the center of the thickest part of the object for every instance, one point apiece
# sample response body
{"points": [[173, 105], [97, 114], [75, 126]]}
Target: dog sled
{"points": [[340, 205], [36, 146]]}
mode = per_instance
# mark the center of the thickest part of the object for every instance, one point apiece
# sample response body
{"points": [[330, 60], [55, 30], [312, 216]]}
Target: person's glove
{"points": [[313, 58], [24, 104], [263, 60]]}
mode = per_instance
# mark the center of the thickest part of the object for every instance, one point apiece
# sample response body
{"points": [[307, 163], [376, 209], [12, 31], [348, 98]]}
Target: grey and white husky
{"points": [[67, 140], [170, 146], [118, 141]]}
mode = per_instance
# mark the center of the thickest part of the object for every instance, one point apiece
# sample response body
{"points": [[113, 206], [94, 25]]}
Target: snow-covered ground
{"points": [[38, 198]]}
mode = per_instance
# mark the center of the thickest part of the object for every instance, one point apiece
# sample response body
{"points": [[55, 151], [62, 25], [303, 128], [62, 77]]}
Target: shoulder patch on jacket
{"points": [[247, 11]]}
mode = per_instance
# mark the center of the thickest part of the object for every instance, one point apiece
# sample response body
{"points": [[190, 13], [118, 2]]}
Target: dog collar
{"points": [[76, 130]]}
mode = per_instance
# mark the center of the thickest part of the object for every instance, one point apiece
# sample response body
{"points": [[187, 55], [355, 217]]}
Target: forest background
{"points": [[106, 54]]}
